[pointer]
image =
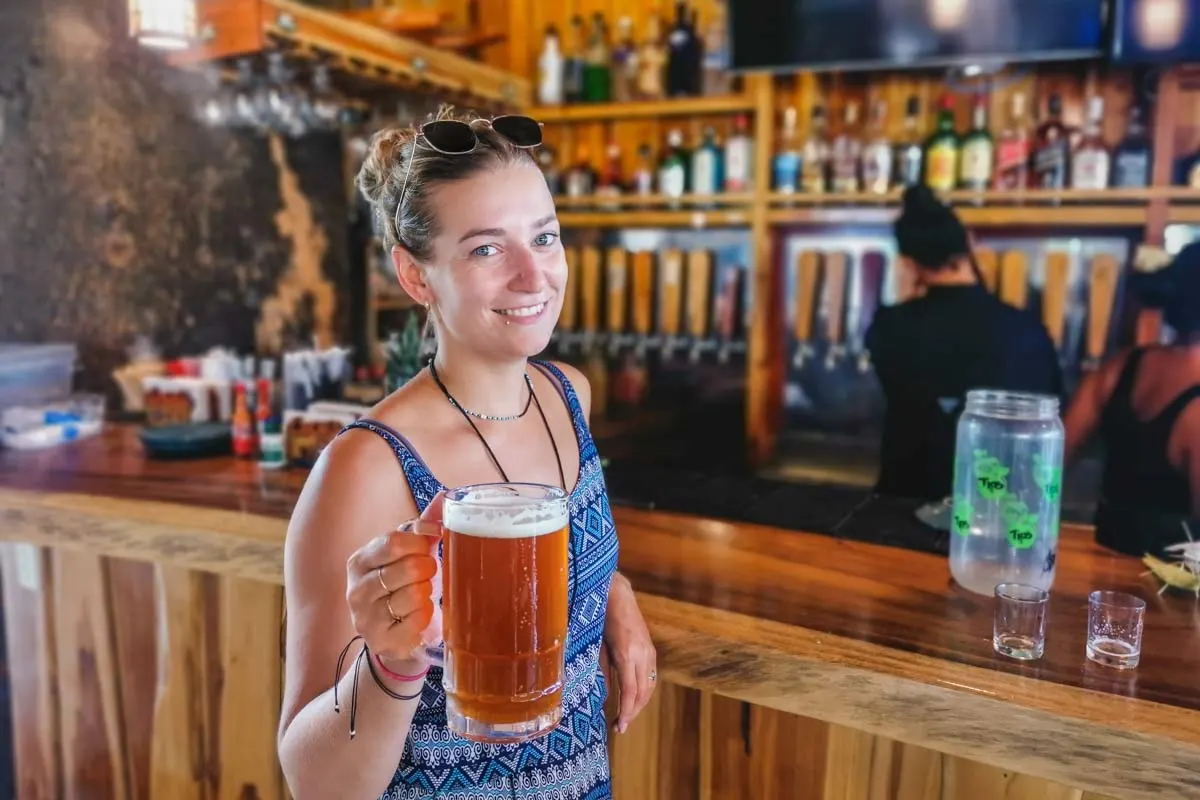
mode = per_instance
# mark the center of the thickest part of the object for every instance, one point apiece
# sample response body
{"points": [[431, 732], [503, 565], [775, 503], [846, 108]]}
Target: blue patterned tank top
{"points": [[571, 762]]}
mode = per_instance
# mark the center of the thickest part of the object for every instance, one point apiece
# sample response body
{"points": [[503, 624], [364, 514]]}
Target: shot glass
{"points": [[1114, 636], [1020, 621]]}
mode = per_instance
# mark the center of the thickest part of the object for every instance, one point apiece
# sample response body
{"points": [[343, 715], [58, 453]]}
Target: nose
{"points": [[529, 274]]}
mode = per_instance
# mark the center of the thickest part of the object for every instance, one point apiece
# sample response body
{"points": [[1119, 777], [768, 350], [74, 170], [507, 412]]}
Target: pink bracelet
{"points": [[396, 676]]}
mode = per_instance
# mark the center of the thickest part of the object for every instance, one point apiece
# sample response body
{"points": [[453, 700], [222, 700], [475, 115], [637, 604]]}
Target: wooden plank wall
{"points": [[135, 681]]}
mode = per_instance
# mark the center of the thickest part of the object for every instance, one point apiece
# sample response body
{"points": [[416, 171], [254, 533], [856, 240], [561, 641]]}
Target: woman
{"points": [[930, 351], [1143, 402], [475, 239]]}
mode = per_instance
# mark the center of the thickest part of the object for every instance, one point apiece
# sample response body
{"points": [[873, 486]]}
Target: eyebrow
{"points": [[546, 220]]}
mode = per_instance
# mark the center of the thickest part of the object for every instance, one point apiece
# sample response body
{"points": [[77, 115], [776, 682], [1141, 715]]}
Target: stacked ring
{"points": [[379, 572], [393, 613]]}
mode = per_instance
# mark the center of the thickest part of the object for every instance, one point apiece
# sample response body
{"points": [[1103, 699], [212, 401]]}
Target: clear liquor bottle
{"points": [[1091, 162], [845, 154], [815, 154], [877, 153]]}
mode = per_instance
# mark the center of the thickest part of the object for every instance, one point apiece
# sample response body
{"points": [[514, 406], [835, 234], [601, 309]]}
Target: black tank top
{"points": [[1137, 472]]}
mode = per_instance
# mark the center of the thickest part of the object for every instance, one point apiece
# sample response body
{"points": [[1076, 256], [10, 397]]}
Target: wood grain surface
{"points": [[827, 641]]}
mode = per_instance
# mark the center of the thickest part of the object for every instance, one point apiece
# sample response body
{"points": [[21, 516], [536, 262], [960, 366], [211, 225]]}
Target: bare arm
{"points": [[1087, 406], [354, 494]]}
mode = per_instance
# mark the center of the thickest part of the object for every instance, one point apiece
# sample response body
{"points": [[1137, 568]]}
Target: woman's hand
{"points": [[390, 591], [630, 650]]}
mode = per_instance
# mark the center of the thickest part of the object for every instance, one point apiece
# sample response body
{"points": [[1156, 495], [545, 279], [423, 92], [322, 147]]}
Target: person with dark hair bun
{"points": [[1143, 403], [928, 352]]}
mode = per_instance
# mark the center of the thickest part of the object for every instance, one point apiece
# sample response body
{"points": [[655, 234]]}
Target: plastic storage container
{"points": [[35, 373], [1007, 487]]}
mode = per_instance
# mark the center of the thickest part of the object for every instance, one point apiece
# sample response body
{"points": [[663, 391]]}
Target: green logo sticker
{"points": [[1020, 524], [963, 514], [990, 476], [1047, 477]]}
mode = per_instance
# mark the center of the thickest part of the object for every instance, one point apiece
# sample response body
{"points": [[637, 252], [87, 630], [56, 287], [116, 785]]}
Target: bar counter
{"points": [[142, 609]]}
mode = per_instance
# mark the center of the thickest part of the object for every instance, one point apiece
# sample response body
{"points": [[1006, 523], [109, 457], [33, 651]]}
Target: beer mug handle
{"points": [[432, 647]]}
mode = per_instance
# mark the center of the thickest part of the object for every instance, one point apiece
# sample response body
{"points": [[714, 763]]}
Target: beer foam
{"points": [[505, 516]]}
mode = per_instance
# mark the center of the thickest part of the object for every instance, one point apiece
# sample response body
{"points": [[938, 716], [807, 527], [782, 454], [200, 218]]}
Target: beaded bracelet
{"points": [[363, 655]]}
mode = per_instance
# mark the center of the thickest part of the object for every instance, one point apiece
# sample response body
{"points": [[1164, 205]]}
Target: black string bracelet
{"points": [[363, 654]]}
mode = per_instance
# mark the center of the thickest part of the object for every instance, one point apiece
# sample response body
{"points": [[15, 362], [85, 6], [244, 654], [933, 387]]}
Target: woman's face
{"points": [[498, 268]]}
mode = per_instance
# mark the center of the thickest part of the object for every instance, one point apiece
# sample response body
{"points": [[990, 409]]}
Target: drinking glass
{"points": [[1019, 629], [1115, 629]]}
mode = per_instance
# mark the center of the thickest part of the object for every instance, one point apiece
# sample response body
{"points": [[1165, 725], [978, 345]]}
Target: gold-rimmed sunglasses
{"points": [[453, 137]]}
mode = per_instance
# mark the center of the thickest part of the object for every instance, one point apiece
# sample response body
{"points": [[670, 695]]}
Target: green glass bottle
{"points": [[941, 151], [596, 61]]}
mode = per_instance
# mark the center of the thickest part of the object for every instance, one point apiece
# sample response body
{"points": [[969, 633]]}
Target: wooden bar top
{"points": [[875, 638]]}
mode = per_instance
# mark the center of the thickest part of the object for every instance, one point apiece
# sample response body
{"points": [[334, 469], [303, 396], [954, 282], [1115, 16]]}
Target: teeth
{"points": [[527, 311]]}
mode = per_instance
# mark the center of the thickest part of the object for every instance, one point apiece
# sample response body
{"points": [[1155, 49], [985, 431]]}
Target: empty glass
{"points": [[1019, 629], [1115, 629]]}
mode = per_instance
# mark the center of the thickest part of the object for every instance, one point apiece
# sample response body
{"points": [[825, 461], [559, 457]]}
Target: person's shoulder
{"points": [[578, 381]]}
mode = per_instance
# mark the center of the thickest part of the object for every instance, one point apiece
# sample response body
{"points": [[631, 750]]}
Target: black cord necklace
{"points": [[562, 477]]}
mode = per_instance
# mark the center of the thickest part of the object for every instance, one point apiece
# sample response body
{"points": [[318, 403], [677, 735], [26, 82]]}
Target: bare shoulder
{"points": [[580, 383]]}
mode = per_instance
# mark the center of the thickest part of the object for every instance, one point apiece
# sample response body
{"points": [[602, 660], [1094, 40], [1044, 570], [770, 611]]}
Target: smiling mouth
{"points": [[523, 311]]}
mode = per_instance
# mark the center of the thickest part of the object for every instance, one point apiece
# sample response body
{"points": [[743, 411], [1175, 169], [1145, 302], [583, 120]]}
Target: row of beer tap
{"points": [[842, 291], [674, 304], [683, 305]]}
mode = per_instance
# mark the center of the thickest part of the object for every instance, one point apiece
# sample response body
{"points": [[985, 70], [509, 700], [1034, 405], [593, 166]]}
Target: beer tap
{"points": [[643, 302], [727, 311], [865, 302], [1054, 297], [1014, 280], [808, 275], [835, 306], [989, 267], [568, 316], [1102, 293], [699, 305], [589, 294], [616, 275], [670, 300]]}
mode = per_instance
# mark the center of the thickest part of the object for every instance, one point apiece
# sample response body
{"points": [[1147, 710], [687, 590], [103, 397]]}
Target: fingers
{"points": [[399, 640], [637, 688], [433, 511], [387, 548]]}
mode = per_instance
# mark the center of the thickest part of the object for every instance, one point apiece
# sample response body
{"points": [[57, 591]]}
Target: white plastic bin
{"points": [[35, 373]]}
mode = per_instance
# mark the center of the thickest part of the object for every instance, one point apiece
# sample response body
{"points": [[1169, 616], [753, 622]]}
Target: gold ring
{"points": [[379, 572], [388, 603], [653, 675]]}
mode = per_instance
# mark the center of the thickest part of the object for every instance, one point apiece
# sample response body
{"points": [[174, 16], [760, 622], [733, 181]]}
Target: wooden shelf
{"points": [[695, 218], [688, 106]]}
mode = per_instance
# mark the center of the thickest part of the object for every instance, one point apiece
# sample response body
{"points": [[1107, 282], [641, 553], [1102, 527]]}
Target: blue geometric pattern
{"points": [[571, 762]]}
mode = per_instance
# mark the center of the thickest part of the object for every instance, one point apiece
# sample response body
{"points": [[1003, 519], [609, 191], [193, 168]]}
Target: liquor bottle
{"points": [[680, 52], [978, 150], [1052, 149], [573, 62], [941, 150], [1091, 161], [595, 63], [739, 157], [1131, 163], [642, 183], [717, 80], [910, 152], [672, 170], [652, 62], [814, 155], [695, 56], [550, 70], [845, 153], [786, 164], [624, 63], [706, 165], [580, 179], [548, 162], [1012, 152], [877, 153], [610, 180]]}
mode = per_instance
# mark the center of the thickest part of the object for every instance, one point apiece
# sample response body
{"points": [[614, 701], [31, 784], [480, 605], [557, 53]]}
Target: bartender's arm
{"points": [[1087, 406]]}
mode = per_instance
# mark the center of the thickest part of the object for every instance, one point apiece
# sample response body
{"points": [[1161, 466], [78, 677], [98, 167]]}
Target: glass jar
{"points": [[1007, 488]]}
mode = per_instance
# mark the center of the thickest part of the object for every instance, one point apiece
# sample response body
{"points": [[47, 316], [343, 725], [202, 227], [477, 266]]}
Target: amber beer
{"points": [[504, 604]]}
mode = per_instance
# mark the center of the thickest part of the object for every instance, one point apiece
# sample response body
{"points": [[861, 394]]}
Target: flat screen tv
{"points": [[872, 34], [1156, 31]]}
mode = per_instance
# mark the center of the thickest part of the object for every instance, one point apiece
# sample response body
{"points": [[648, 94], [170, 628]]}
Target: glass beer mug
{"points": [[503, 591]]}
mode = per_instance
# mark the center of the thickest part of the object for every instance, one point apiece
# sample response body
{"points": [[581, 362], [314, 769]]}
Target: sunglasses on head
{"points": [[451, 137]]}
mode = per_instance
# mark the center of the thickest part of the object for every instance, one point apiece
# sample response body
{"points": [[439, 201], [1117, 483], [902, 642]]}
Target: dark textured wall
{"points": [[120, 215]]}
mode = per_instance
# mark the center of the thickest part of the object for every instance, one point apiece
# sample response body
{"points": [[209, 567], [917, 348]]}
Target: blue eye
{"points": [[484, 250], [545, 239]]}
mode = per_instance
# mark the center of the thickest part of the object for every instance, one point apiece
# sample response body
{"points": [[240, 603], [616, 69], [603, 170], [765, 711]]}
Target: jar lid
{"points": [[1012, 405]]}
